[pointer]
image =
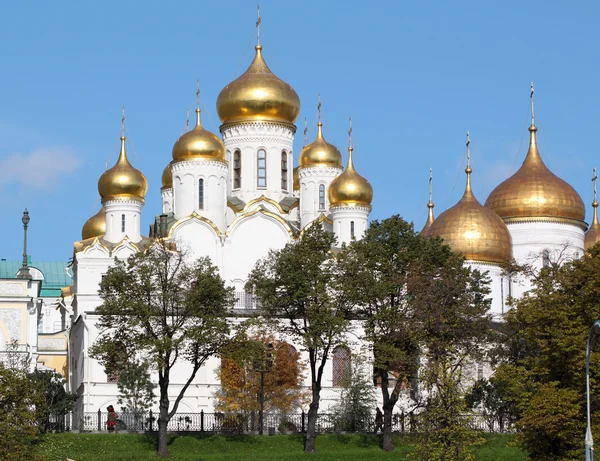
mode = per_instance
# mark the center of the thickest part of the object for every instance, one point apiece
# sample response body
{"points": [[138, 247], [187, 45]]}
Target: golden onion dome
{"points": [[350, 188], [592, 236], [122, 180], [198, 143], [95, 226], [320, 152], [535, 192], [167, 178], [473, 230], [258, 95], [296, 179]]}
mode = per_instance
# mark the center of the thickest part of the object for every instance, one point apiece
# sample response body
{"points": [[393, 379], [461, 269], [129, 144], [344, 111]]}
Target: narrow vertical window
{"points": [[284, 171], [122, 223], [322, 197], [201, 194], [545, 258], [261, 168], [237, 169], [341, 366], [352, 229]]}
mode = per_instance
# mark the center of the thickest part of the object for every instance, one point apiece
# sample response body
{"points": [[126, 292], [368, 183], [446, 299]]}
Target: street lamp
{"points": [[263, 366], [589, 441]]}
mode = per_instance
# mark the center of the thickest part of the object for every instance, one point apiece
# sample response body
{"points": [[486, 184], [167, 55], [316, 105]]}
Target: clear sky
{"points": [[414, 76]]}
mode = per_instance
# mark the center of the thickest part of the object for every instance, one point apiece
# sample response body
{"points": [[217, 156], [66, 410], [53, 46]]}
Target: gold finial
{"points": [[123, 121], [468, 170], [532, 105], [319, 109], [350, 134], [187, 120], [198, 93], [305, 132], [595, 204], [258, 26], [430, 204], [430, 215]]}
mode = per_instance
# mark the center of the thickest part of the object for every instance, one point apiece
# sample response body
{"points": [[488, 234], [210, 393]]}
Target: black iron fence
{"points": [[246, 423]]}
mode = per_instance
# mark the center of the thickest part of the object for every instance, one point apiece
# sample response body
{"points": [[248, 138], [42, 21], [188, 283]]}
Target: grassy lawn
{"points": [[116, 447]]}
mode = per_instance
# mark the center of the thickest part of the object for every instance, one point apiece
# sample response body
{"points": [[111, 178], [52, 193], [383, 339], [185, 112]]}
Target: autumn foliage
{"points": [[240, 383]]}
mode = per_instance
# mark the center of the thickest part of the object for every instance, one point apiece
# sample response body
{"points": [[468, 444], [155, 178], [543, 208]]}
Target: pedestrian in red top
{"points": [[111, 423]]}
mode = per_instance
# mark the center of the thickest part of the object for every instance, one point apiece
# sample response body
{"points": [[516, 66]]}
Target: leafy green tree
{"points": [[354, 409], [487, 396], [542, 372], [166, 310], [136, 389], [298, 287], [414, 295], [55, 403]]}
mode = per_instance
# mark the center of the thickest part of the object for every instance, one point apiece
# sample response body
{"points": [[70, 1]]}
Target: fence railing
{"points": [[243, 423]]}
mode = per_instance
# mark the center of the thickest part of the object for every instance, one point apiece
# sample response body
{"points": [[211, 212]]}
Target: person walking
{"points": [[111, 423]]}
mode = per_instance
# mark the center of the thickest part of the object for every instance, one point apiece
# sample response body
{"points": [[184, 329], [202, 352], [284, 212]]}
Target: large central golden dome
{"points": [[258, 94], [350, 188], [473, 230], [320, 152], [198, 143], [122, 180], [535, 192]]}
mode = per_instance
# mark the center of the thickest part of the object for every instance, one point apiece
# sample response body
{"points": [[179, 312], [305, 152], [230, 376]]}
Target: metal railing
{"points": [[247, 423]]}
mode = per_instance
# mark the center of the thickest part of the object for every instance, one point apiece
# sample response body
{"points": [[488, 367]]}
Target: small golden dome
{"points": [[350, 188], [296, 179], [198, 143], [122, 180], [320, 152], [167, 178], [535, 192], [95, 226], [592, 236], [258, 95], [473, 230]]}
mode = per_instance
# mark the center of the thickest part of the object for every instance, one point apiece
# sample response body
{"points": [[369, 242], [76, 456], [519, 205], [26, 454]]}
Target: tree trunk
{"points": [[163, 420], [311, 431], [388, 443]]}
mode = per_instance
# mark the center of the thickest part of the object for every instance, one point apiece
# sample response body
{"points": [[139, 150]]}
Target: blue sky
{"points": [[414, 76]]}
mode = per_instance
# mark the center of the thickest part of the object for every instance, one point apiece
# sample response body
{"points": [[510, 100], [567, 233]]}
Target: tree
{"points": [[355, 406], [298, 288], [240, 382], [487, 396], [160, 307], [542, 369], [136, 389], [19, 428], [55, 403], [415, 297]]}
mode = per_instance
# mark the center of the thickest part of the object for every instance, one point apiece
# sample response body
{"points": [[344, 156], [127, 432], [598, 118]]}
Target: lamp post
{"points": [[589, 441], [263, 366], [24, 271]]}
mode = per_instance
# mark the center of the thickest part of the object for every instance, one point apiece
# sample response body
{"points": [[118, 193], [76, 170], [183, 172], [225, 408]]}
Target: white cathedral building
{"points": [[235, 197]]}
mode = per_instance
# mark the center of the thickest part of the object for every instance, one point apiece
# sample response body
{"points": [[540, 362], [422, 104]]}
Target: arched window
{"points": [[237, 169], [322, 197], [341, 366], [201, 194], [352, 229], [261, 168], [122, 223], [284, 171], [545, 258]]}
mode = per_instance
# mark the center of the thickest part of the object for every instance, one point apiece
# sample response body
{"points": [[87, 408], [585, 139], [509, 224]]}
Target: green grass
{"points": [[125, 447]]}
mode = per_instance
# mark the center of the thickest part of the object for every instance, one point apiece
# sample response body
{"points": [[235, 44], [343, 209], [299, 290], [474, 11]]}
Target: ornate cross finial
{"points": [[430, 185], [319, 108], [468, 150], [532, 105], [198, 94], [594, 181], [123, 121], [350, 133], [305, 132], [187, 120], [258, 26]]}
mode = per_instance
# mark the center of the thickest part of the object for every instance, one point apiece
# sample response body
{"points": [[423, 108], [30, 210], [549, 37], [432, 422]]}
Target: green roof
{"points": [[54, 273]]}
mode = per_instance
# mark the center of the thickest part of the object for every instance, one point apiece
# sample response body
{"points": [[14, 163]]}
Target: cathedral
{"points": [[235, 195]]}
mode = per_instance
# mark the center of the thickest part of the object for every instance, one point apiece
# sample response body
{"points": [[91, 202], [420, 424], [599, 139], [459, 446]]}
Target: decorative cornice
{"points": [[318, 170], [120, 200], [199, 163], [235, 129], [248, 214], [193, 216], [263, 198], [350, 206], [547, 219]]}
